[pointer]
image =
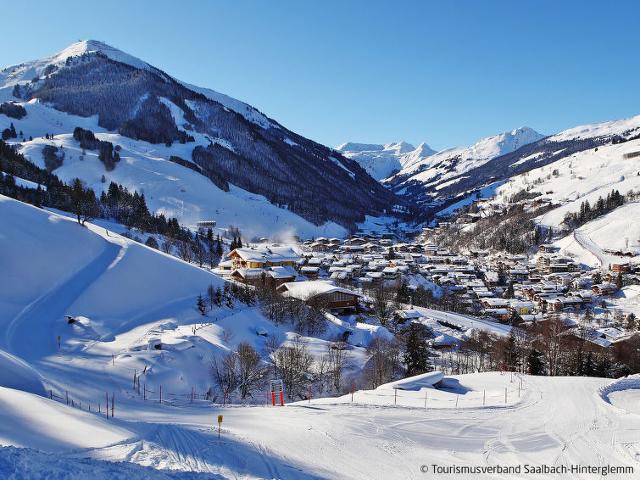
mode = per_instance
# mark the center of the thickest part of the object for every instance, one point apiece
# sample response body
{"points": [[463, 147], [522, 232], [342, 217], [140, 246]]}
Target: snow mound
{"points": [[28, 420], [15, 373], [623, 393], [27, 463], [417, 382]]}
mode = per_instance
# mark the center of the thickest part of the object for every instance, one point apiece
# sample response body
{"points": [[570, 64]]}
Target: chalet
{"points": [[501, 314], [494, 303], [264, 256], [280, 275], [273, 275], [604, 289], [403, 316], [250, 276], [375, 277], [391, 273], [621, 267], [323, 292], [310, 272], [225, 266], [521, 307]]}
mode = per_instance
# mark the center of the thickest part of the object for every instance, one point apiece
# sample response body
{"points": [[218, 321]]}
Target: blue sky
{"points": [[446, 72]]}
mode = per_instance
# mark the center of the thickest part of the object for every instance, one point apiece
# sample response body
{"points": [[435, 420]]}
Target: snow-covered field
{"points": [[556, 421], [116, 289]]}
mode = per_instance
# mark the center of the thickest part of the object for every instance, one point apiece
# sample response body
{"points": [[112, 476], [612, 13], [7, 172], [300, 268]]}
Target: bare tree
{"points": [[337, 363], [185, 252], [384, 364], [293, 365], [251, 373], [224, 371]]}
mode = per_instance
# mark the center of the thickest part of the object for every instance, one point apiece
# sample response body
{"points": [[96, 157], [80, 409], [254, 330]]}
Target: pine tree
{"points": [[391, 255], [535, 363], [202, 308], [219, 247], [211, 296], [589, 365], [416, 355], [509, 293]]}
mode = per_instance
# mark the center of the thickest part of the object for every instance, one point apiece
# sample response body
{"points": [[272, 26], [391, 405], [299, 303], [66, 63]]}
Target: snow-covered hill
{"points": [[262, 176], [584, 177], [133, 310], [169, 188]]}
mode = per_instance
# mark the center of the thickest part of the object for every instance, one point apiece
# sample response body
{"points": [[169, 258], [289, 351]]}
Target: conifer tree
{"points": [[202, 308], [416, 355]]}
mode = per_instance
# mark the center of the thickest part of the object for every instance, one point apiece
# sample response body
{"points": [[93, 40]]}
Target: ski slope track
{"points": [[28, 336]]}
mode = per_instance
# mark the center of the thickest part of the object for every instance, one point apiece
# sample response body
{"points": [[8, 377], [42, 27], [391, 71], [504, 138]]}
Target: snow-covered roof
{"points": [[281, 272], [309, 289], [265, 253]]}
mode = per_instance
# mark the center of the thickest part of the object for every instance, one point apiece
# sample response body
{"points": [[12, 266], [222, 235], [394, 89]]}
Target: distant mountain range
{"points": [[431, 181]]}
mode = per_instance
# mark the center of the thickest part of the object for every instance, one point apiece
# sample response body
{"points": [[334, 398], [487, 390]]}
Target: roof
{"points": [[309, 289], [265, 253], [281, 272], [248, 272]]}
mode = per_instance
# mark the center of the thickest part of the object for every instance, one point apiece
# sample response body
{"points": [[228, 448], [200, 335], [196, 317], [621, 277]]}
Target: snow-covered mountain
{"points": [[580, 177], [170, 133], [382, 161], [452, 176], [437, 169]]}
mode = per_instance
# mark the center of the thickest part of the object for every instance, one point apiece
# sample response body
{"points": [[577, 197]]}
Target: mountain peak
{"points": [[83, 47]]}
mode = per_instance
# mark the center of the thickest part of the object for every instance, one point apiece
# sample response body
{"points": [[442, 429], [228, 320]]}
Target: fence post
{"points": [[144, 390], [484, 397], [457, 397], [425, 398], [66, 393], [106, 395], [113, 398], [51, 394], [134, 379], [505, 395], [161, 394], [395, 396]]}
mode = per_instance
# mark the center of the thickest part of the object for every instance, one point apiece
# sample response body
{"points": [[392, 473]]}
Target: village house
{"points": [[264, 256], [321, 292], [604, 289]]}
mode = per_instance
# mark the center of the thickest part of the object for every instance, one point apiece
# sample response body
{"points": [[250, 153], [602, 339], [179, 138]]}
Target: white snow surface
{"points": [[558, 421]]}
